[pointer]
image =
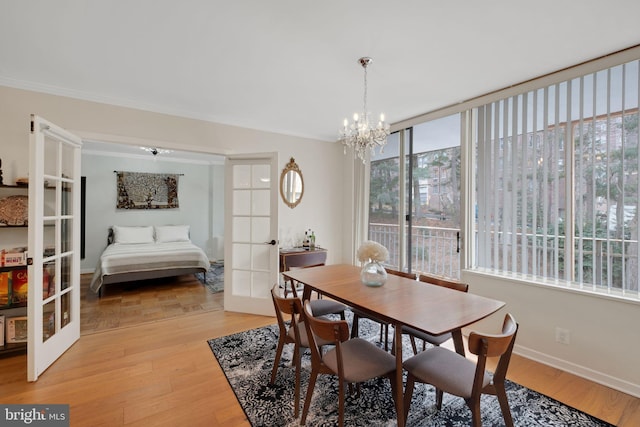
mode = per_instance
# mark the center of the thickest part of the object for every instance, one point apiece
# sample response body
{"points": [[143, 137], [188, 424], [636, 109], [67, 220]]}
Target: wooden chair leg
{"points": [[504, 404], [354, 325], [276, 361], [386, 337], [408, 395], [439, 398], [413, 344], [476, 419], [341, 400], [298, 363], [307, 400]]}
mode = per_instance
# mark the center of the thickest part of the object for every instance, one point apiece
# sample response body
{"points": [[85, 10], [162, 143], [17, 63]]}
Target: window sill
{"points": [[558, 285]]}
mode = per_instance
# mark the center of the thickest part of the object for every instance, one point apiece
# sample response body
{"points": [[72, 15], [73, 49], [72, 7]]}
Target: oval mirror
{"points": [[291, 184]]}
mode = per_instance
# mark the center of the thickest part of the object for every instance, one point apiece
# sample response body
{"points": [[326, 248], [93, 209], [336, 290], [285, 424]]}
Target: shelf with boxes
{"points": [[13, 302], [14, 213]]}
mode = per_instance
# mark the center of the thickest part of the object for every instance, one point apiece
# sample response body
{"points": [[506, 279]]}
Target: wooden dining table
{"points": [[400, 301]]}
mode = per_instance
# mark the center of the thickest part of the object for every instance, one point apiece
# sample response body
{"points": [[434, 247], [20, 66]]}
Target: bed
{"points": [[149, 252]]}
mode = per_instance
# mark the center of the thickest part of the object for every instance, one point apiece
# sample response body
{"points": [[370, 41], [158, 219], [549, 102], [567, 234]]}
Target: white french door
{"points": [[251, 245], [54, 244]]}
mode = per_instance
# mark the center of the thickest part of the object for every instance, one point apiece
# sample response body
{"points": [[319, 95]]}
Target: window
{"points": [[557, 181]]}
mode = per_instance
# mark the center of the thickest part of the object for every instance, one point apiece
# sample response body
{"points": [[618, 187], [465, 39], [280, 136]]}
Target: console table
{"points": [[301, 257]]}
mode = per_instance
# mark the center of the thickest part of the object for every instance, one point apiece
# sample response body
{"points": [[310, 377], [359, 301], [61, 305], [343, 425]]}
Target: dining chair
{"points": [[291, 330], [450, 372], [425, 337], [352, 360], [384, 326], [321, 306]]}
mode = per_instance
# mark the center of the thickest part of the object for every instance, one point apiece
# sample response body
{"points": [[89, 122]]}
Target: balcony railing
{"points": [[434, 249]]}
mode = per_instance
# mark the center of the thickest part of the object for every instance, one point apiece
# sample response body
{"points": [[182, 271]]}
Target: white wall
{"points": [[320, 208], [604, 335], [195, 196]]}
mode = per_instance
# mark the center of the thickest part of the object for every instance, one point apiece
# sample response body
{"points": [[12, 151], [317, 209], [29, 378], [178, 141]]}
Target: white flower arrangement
{"points": [[372, 251]]}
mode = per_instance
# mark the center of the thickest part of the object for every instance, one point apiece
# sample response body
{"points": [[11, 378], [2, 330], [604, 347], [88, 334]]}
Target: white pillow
{"points": [[172, 233], [130, 235]]}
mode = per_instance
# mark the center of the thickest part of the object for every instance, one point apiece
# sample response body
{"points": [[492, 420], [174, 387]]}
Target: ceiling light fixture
{"points": [[155, 151], [360, 134]]}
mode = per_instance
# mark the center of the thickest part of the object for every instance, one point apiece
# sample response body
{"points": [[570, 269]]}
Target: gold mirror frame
{"points": [[291, 184]]}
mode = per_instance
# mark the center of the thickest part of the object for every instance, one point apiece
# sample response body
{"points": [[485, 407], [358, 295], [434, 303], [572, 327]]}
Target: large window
{"points": [[557, 182], [554, 169]]}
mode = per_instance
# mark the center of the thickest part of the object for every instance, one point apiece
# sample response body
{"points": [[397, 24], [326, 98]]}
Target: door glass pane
{"points": [[49, 205], [241, 202], [49, 237], [50, 157], [65, 308], [66, 235], [67, 161], [260, 229], [48, 280], [65, 272], [242, 229], [241, 176], [261, 202], [261, 257], [66, 202], [48, 320], [261, 176]]}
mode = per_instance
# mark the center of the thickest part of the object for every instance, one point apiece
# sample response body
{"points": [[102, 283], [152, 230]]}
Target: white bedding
{"points": [[129, 258]]}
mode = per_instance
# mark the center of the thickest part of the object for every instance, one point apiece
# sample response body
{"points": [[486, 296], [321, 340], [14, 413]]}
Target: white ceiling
{"points": [[290, 66]]}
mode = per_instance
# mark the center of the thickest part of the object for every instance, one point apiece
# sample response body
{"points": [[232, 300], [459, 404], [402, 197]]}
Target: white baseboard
{"points": [[581, 371]]}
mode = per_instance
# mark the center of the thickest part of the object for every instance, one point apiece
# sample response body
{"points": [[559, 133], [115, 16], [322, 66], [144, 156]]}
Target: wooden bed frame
{"points": [[145, 275]]}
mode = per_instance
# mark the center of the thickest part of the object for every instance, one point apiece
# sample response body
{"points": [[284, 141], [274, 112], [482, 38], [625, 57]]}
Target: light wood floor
{"points": [[126, 304], [162, 373]]}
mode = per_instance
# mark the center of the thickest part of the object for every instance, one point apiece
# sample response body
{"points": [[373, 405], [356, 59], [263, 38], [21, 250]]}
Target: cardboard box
{"points": [[16, 329], [19, 286], [1, 330], [13, 257], [5, 289]]}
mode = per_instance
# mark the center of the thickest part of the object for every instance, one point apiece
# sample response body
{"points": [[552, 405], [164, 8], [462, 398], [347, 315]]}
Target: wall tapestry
{"points": [[139, 190]]}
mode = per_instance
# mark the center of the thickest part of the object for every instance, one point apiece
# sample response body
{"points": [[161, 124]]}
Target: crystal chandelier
{"points": [[361, 134]]}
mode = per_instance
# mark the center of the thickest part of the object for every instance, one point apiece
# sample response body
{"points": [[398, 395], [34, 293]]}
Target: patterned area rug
{"points": [[247, 358], [215, 277]]}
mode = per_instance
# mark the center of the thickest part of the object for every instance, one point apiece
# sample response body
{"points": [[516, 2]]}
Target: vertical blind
{"points": [[557, 181]]}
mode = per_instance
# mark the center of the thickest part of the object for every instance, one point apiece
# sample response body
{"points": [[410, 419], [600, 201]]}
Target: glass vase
{"points": [[373, 274]]}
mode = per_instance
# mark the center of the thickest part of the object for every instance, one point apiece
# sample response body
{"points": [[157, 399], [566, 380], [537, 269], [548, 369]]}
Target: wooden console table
{"points": [[299, 257]]}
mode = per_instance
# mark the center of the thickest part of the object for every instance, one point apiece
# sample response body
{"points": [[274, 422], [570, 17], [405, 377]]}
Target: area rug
{"points": [[247, 358], [214, 276]]}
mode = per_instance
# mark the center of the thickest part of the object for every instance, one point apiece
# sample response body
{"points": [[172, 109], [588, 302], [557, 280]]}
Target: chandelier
{"points": [[361, 134]]}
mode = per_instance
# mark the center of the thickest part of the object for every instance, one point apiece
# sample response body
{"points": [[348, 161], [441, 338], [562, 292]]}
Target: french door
{"points": [[414, 198], [251, 245], [54, 244]]}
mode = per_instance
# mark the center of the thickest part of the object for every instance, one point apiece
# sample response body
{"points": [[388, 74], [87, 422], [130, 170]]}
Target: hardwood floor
{"points": [[127, 304], [161, 372]]}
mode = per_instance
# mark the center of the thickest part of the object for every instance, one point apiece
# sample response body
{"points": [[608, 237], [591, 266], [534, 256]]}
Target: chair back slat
{"points": [[441, 281], [497, 344], [329, 330], [411, 276], [287, 306]]}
